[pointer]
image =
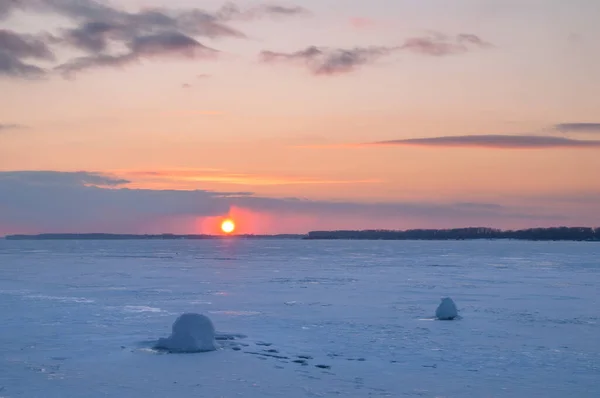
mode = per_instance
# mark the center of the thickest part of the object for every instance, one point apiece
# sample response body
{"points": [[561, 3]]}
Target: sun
{"points": [[228, 226]]}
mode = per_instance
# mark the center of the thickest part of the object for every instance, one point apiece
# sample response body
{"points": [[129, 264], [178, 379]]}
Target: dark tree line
{"points": [[547, 234]]}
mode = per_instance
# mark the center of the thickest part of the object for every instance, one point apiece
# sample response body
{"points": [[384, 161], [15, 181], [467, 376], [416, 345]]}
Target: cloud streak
{"points": [[230, 12], [441, 45], [191, 178], [10, 126], [58, 178], [577, 127], [326, 61], [492, 141], [489, 141]]}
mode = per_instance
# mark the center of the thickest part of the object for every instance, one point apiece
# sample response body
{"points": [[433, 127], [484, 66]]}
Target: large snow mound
{"points": [[446, 311], [190, 333]]}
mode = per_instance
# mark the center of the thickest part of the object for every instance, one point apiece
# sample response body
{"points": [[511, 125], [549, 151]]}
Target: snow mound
{"points": [[190, 333], [446, 311]]}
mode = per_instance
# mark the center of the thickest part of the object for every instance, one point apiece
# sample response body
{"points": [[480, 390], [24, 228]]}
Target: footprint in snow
{"points": [[195, 333]]}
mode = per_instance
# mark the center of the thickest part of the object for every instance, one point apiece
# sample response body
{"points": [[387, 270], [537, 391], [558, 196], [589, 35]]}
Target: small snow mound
{"points": [[190, 333], [446, 311]]}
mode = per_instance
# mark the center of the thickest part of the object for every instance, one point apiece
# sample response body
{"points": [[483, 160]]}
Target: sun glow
{"points": [[228, 226]]}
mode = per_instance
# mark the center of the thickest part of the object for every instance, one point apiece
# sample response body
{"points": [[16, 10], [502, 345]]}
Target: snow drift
{"points": [[446, 311], [190, 333]]}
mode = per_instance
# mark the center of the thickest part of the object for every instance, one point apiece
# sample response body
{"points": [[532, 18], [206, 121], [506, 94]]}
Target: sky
{"points": [[151, 116]]}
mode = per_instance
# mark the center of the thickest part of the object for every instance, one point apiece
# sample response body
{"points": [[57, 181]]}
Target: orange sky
{"points": [[266, 116]]}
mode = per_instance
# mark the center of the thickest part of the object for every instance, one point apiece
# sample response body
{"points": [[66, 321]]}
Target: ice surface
{"points": [[303, 319], [446, 311], [191, 333]]}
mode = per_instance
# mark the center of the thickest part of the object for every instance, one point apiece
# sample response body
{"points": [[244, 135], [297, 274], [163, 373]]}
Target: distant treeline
{"points": [[100, 236], [546, 234]]}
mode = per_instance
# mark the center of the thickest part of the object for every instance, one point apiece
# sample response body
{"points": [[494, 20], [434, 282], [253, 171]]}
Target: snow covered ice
{"points": [[191, 333], [303, 318], [446, 311]]}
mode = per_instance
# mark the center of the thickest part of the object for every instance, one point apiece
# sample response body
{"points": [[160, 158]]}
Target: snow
{"points": [[446, 311], [191, 333], [300, 318]]}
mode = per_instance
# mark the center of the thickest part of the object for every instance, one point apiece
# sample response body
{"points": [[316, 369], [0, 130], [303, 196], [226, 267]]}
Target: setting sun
{"points": [[228, 226]]}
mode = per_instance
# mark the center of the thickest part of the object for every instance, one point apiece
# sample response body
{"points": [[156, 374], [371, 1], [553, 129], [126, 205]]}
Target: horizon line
{"points": [[168, 235]]}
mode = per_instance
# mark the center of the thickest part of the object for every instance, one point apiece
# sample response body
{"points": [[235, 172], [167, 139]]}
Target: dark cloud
{"points": [[94, 36], [283, 10], [12, 66], [101, 28], [332, 61], [329, 61], [469, 38], [200, 23], [148, 34], [144, 47], [47, 201], [81, 10], [193, 21], [231, 11], [169, 42], [440, 45], [577, 127], [494, 141], [15, 48], [91, 10], [24, 46], [50, 201]]}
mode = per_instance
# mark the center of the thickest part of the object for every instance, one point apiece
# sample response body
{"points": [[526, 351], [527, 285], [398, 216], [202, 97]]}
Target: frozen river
{"points": [[321, 318]]}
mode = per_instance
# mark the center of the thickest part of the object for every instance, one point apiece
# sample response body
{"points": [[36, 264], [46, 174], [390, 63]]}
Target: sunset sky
{"points": [[150, 116]]}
